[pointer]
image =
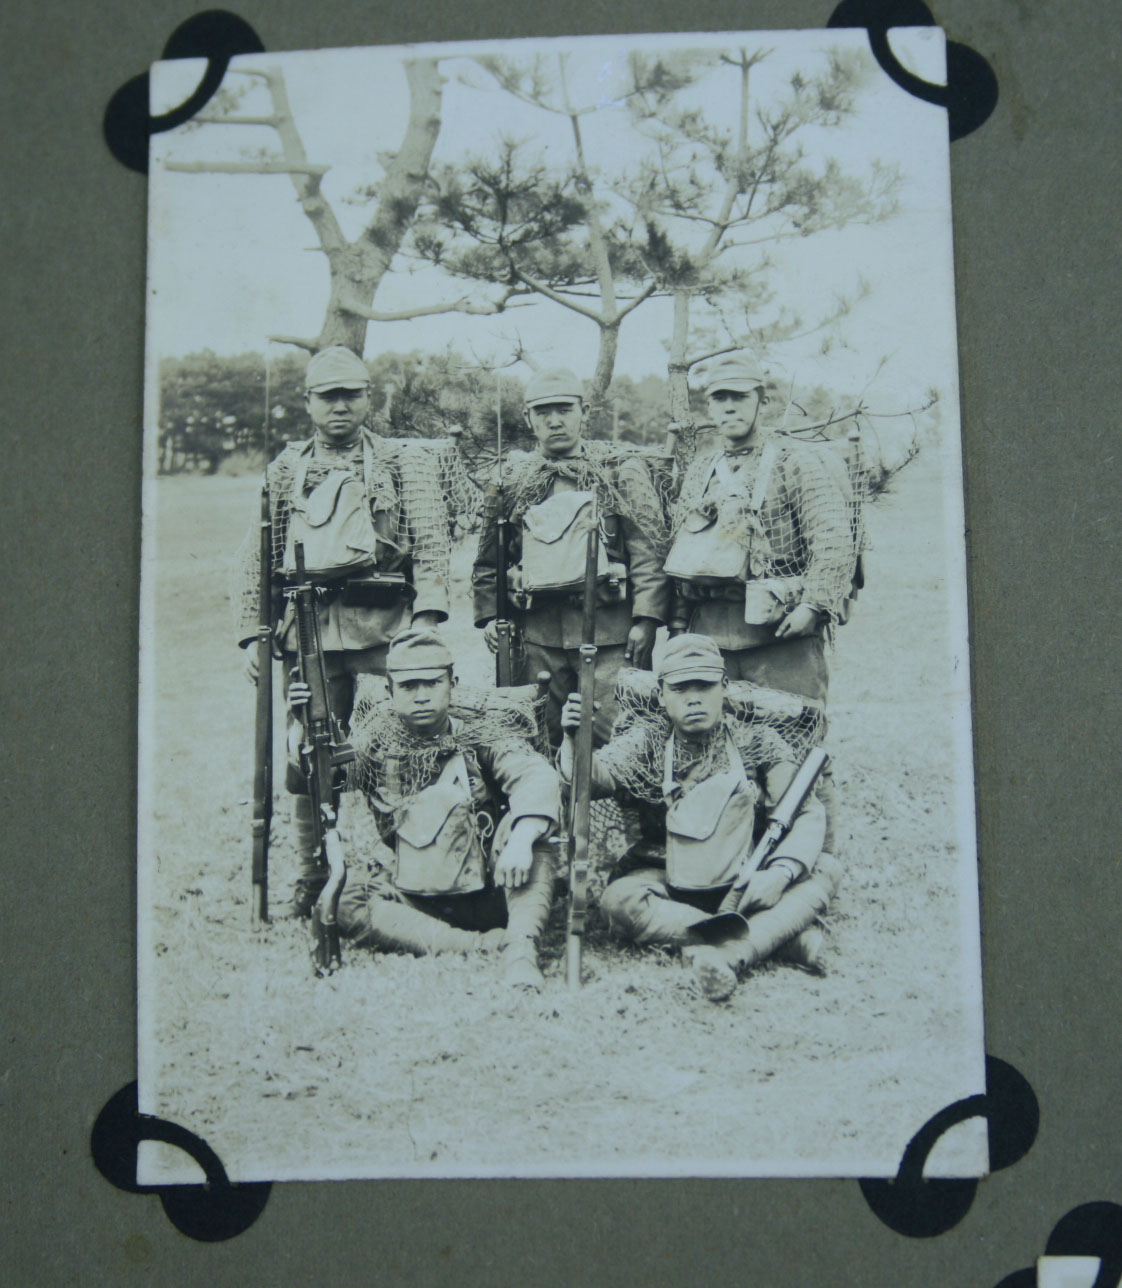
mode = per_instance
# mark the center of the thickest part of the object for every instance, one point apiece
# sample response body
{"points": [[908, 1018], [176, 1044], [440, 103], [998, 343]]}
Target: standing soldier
{"points": [[461, 799], [372, 521], [762, 553], [543, 495]]}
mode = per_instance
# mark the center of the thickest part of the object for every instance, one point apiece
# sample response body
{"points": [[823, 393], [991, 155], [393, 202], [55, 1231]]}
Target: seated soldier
{"points": [[707, 773], [460, 803]]}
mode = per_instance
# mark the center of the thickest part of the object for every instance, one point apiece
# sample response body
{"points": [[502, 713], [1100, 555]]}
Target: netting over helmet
{"points": [[766, 724], [405, 484], [623, 480], [392, 764]]}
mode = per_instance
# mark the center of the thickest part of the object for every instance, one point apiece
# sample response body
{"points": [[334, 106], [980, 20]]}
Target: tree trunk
{"points": [[602, 376], [677, 367], [357, 268]]}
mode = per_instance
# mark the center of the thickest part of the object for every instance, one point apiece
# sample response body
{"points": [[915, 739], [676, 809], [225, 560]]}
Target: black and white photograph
{"points": [[555, 741]]}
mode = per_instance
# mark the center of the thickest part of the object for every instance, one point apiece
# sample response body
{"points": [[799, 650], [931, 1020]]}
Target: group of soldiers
{"points": [[747, 569]]}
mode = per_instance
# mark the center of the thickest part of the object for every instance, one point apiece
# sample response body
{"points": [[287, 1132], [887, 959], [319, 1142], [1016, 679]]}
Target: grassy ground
{"points": [[396, 1066]]}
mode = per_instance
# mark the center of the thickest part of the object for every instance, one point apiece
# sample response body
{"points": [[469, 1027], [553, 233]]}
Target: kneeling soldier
{"points": [[461, 802], [711, 774]]}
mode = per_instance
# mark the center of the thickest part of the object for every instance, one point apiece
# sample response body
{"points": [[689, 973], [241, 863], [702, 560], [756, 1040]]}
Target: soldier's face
{"points": [[734, 412], [694, 706], [337, 414], [422, 702], [557, 426]]}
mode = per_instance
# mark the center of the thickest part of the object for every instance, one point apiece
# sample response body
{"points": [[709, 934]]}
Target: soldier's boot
{"points": [[805, 950], [390, 926], [791, 924], [312, 874], [527, 912]]}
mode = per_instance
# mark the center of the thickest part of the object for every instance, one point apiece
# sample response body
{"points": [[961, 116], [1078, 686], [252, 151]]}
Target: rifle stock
{"points": [[263, 723], [323, 752], [580, 797], [504, 654]]}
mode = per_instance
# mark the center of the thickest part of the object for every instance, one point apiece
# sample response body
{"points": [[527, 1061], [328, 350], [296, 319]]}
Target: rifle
{"points": [[263, 722], [504, 660], [729, 916], [580, 791], [323, 752]]}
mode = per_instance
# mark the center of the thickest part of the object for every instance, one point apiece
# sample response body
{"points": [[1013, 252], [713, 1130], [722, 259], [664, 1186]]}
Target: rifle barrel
{"points": [[263, 722], [580, 820]]}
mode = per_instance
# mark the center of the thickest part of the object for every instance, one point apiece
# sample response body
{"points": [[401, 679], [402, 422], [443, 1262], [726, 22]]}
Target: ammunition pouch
{"points": [[769, 599]]}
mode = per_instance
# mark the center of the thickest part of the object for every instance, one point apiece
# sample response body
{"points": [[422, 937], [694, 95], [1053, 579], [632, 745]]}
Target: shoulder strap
{"points": [[300, 472], [768, 458]]}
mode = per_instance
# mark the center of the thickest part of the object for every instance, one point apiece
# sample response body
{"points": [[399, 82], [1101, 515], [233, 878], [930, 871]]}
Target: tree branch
{"points": [[247, 167], [644, 294], [205, 119], [299, 341], [463, 305], [550, 294]]}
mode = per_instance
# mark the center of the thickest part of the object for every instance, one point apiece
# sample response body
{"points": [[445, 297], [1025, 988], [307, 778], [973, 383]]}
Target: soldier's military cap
{"points": [[556, 385], [690, 657], [736, 371], [418, 655], [336, 368]]}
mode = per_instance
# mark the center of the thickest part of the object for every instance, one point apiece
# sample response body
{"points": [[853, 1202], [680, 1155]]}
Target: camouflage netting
{"points": [[810, 524], [633, 480], [392, 764], [766, 724], [405, 484], [623, 481]]}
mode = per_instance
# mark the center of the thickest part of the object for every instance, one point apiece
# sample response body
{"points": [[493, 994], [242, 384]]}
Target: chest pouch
{"points": [[333, 522], [710, 826], [555, 542], [438, 846], [707, 551]]}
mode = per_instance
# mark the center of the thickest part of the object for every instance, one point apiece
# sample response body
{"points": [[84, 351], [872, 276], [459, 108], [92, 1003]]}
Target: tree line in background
{"points": [[212, 407]]}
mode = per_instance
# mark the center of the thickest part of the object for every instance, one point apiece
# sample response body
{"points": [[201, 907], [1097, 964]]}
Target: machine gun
{"points": [[263, 722], [580, 791], [323, 753]]}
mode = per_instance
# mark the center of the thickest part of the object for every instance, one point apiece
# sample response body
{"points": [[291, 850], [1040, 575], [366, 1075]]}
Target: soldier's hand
{"points": [[801, 620], [251, 668], [513, 866], [570, 713], [765, 888], [298, 694], [640, 643], [491, 635]]}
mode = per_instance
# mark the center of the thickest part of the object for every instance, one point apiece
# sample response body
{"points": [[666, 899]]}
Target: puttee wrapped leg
{"points": [[527, 912], [801, 905], [638, 906], [312, 874], [389, 925]]}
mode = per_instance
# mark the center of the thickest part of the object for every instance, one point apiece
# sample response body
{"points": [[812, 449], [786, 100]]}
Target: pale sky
{"points": [[232, 258]]}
